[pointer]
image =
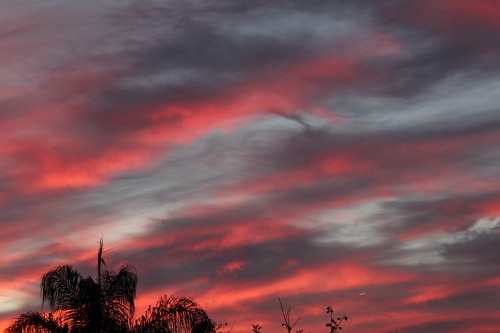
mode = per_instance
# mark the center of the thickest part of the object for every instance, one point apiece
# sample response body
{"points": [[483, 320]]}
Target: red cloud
{"points": [[454, 15], [65, 157]]}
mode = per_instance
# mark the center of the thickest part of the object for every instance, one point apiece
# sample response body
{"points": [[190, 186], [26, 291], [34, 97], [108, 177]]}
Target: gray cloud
{"points": [[377, 149]]}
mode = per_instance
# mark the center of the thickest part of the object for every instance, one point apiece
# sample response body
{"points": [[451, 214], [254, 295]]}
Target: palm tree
{"points": [[174, 315], [37, 322], [81, 304], [106, 305]]}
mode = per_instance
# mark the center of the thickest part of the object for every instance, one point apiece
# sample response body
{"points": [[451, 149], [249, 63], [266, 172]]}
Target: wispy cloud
{"points": [[326, 152]]}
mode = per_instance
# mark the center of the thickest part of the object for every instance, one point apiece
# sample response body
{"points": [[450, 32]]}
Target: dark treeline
{"points": [[105, 304]]}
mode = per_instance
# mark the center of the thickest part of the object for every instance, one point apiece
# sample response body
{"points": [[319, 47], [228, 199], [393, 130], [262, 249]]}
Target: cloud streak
{"points": [[329, 153]]}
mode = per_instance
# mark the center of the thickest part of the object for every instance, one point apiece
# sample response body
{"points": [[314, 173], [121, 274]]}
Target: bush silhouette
{"points": [[288, 324]]}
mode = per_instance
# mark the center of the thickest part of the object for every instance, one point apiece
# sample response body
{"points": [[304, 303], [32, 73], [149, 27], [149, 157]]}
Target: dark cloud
{"points": [[327, 152], [478, 252], [452, 325], [451, 212], [464, 300]]}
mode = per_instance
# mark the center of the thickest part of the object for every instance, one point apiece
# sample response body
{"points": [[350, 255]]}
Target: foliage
{"points": [[286, 317], [256, 328], [333, 324], [37, 322], [174, 315], [89, 306], [106, 305]]}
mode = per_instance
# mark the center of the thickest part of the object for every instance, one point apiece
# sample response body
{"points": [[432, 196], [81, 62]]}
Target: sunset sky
{"points": [[340, 153]]}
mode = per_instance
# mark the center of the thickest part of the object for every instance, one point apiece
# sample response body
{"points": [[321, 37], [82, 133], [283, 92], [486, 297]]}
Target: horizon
{"points": [[327, 153]]}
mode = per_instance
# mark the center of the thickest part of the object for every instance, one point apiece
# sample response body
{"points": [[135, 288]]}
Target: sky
{"points": [[325, 152]]}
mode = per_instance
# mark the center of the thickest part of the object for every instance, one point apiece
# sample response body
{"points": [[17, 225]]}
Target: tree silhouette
{"points": [[174, 315], [106, 305], [37, 322]]}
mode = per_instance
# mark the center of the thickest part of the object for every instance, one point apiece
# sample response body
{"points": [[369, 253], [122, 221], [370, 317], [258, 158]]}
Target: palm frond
{"points": [[68, 293], [60, 288], [118, 293], [36, 322], [175, 315], [88, 308]]}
